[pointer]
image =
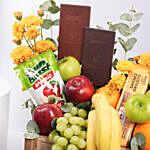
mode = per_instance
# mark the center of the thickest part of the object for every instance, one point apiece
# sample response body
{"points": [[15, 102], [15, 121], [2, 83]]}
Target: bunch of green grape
{"points": [[71, 131]]}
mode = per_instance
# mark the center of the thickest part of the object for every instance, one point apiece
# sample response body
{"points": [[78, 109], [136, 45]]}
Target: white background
{"points": [[102, 11]]}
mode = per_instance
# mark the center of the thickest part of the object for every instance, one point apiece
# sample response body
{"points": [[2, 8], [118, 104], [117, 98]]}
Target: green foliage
{"points": [[67, 107], [138, 141], [126, 28]]}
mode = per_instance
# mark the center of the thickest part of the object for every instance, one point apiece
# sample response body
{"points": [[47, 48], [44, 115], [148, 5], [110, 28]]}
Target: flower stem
{"points": [[30, 43], [27, 41], [41, 33], [34, 45]]}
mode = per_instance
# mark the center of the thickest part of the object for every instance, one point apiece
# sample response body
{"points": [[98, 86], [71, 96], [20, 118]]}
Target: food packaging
{"points": [[40, 76], [137, 83]]}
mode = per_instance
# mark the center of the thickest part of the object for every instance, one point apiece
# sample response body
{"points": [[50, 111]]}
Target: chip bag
{"points": [[40, 76]]}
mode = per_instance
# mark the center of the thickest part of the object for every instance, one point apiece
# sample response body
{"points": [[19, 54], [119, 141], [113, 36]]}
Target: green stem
{"points": [[35, 45], [30, 43], [125, 55], [27, 41], [41, 33]]}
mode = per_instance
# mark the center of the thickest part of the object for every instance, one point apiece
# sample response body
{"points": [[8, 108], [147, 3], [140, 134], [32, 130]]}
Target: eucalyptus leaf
{"points": [[141, 140], [32, 127], [112, 27], [126, 17], [123, 44], [54, 123], [134, 145], [134, 28], [85, 105], [51, 39], [47, 23], [99, 27], [54, 9], [45, 5], [53, 3], [130, 43], [115, 50], [115, 63], [67, 107], [131, 59], [137, 16], [56, 22], [31, 136], [123, 29]]}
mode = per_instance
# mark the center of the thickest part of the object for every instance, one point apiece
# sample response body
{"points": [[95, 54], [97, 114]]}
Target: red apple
{"points": [[44, 114], [79, 89]]}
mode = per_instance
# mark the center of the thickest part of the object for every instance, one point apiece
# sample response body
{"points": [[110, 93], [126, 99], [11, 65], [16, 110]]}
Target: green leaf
{"points": [[32, 127], [31, 136], [45, 5], [115, 63], [141, 140], [134, 145], [99, 27], [134, 28], [54, 123], [130, 43], [51, 39], [85, 105], [123, 29], [131, 59], [112, 27], [56, 22], [47, 23], [54, 9], [126, 17], [123, 44], [115, 50], [137, 16], [53, 3], [67, 107]]}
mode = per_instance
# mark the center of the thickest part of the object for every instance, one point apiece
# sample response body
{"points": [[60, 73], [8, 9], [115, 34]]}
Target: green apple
{"points": [[148, 93], [137, 108], [69, 67]]}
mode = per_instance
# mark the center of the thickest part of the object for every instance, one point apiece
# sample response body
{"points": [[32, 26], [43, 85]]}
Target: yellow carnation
{"points": [[18, 30], [144, 59], [21, 54], [45, 45], [31, 20], [32, 33], [117, 82], [125, 66]]}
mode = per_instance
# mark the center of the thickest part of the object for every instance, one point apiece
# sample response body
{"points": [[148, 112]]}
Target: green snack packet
{"points": [[40, 76]]}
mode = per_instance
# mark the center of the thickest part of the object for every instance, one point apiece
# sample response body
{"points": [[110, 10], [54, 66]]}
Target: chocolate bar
{"points": [[97, 55], [73, 18]]}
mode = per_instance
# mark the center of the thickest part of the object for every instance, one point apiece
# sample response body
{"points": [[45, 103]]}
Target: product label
{"points": [[136, 83]]}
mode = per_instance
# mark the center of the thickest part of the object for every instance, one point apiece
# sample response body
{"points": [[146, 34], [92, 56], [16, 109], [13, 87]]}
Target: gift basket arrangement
{"points": [[75, 103]]}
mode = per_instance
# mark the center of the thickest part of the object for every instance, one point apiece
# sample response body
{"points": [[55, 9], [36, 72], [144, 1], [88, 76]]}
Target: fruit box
{"points": [[42, 143]]}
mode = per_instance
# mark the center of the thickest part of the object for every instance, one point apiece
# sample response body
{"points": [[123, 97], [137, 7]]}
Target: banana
{"points": [[103, 122], [116, 130], [91, 131]]}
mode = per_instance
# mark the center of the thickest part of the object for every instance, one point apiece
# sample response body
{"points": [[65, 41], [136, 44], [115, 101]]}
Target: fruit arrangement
{"points": [[68, 107]]}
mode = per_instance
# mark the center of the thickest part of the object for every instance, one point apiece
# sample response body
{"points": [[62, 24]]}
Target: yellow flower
{"points": [[31, 20], [21, 54], [125, 66], [117, 82], [17, 41], [18, 30], [144, 59], [44, 45], [32, 33], [40, 12], [18, 14]]}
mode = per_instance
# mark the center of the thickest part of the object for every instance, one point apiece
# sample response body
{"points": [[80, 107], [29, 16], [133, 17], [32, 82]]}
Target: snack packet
{"points": [[40, 76], [137, 83]]}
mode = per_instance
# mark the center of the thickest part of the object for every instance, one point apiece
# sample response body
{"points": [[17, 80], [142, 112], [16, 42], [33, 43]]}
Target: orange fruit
{"points": [[145, 129], [112, 95]]}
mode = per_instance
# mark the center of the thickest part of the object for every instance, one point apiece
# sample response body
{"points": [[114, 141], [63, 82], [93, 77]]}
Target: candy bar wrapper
{"points": [[40, 76], [137, 83]]}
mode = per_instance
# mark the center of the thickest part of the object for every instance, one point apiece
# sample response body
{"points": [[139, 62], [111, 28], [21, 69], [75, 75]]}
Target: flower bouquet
{"points": [[68, 110]]}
